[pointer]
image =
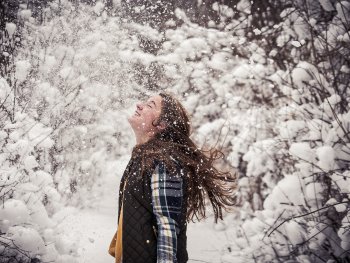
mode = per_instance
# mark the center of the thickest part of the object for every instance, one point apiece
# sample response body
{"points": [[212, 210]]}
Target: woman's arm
{"points": [[167, 197]]}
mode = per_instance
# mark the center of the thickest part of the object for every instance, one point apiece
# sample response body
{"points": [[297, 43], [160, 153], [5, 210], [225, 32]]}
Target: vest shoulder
{"points": [[170, 164]]}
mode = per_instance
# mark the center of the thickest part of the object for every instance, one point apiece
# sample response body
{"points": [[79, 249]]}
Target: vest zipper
{"points": [[126, 179], [154, 230]]}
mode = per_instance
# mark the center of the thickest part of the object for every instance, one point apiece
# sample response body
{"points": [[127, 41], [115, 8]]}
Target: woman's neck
{"points": [[143, 143]]}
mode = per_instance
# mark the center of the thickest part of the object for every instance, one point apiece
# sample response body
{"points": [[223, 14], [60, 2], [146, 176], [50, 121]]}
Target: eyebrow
{"points": [[154, 103]]}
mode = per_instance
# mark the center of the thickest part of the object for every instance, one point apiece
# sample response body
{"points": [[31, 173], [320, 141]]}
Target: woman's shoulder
{"points": [[163, 156], [170, 164]]}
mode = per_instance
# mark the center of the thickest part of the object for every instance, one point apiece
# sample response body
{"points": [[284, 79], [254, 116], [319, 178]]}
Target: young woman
{"points": [[164, 185]]}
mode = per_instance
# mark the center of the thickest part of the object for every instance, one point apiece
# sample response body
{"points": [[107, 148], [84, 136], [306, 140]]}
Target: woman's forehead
{"points": [[157, 99]]}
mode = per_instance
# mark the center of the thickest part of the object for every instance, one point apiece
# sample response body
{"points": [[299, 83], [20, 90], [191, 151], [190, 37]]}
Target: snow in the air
{"points": [[271, 90]]}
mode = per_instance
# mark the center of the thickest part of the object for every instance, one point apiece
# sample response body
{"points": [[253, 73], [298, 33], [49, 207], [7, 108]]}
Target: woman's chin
{"points": [[130, 120], [132, 117], [133, 121]]}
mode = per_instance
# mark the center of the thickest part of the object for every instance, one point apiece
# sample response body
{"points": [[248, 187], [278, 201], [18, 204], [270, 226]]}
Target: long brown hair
{"points": [[203, 178]]}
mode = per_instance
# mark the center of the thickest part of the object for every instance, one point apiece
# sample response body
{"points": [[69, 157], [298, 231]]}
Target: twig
{"points": [[294, 217]]}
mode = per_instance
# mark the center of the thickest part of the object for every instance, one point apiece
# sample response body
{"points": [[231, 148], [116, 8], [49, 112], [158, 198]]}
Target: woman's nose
{"points": [[139, 105]]}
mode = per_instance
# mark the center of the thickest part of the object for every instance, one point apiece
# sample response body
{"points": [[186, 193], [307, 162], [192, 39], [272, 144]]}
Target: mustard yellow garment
{"points": [[119, 246], [116, 247]]}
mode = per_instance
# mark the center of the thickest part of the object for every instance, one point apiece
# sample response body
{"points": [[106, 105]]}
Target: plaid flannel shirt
{"points": [[167, 197]]}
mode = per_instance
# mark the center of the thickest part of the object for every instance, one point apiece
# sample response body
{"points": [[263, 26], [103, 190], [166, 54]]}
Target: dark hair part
{"points": [[202, 177]]}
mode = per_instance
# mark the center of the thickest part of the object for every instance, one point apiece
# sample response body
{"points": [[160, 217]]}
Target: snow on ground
{"points": [[96, 227]]}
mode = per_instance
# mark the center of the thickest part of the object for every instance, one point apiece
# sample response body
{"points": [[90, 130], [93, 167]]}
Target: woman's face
{"points": [[146, 112]]}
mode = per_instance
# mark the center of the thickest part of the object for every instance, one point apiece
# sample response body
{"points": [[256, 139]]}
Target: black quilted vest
{"points": [[139, 223]]}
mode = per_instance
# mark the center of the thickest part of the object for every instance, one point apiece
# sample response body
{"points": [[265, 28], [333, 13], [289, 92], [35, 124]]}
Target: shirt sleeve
{"points": [[167, 197]]}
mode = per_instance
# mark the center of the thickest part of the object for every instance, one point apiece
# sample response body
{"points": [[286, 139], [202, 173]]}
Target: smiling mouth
{"points": [[137, 114]]}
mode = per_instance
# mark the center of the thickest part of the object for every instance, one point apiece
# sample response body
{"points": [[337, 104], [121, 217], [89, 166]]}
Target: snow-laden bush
{"points": [[74, 78], [301, 168], [29, 197], [58, 127]]}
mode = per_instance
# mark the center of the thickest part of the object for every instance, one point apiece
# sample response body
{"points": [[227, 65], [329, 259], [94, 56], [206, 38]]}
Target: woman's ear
{"points": [[161, 126]]}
